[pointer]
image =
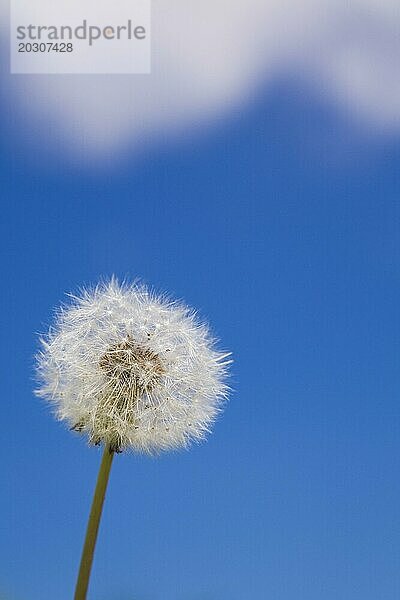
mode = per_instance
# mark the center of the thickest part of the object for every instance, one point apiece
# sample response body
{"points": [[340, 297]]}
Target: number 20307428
{"points": [[45, 47]]}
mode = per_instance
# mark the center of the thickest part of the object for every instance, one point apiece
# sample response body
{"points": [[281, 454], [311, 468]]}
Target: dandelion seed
{"points": [[132, 369]]}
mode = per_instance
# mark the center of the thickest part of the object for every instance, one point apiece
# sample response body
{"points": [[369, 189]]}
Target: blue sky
{"points": [[281, 224]]}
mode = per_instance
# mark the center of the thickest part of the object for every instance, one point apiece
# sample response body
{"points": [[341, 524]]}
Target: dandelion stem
{"points": [[93, 525]]}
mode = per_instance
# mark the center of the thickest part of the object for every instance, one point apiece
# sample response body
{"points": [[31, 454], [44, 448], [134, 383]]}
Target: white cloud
{"points": [[209, 57]]}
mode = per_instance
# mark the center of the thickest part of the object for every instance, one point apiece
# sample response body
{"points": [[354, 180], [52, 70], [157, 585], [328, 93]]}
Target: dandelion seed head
{"points": [[132, 369]]}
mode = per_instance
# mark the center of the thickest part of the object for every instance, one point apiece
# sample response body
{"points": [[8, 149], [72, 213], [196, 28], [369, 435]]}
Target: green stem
{"points": [[93, 525]]}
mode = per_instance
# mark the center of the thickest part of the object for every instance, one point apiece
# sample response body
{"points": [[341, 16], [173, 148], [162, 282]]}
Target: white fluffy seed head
{"points": [[132, 369]]}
